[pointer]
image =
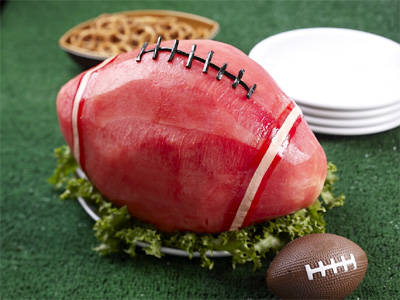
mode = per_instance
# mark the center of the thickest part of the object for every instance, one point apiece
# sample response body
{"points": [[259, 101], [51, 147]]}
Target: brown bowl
{"points": [[87, 57]]}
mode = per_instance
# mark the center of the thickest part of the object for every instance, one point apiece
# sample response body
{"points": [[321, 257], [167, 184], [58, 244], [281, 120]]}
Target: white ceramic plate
{"points": [[355, 130], [348, 123], [349, 114], [91, 211], [333, 68]]}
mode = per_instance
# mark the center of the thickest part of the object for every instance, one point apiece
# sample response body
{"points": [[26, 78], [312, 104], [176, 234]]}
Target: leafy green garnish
{"points": [[117, 231]]}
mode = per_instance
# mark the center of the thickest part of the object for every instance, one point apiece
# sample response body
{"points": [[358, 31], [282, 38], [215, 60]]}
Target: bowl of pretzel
{"points": [[95, 40]]}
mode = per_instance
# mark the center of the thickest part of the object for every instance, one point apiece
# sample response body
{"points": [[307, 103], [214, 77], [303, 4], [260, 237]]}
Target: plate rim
{"points": [[343, 114], [353, 123], [272, 40], [356, 130]]}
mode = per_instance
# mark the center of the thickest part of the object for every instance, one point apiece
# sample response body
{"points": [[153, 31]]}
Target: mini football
{"points": [[317, 266]]}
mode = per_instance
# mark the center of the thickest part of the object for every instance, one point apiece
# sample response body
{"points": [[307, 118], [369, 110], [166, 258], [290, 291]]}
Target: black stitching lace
{"points": [[237, 80]]}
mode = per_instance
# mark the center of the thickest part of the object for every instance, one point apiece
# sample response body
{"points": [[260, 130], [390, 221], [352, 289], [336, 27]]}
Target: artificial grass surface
{"points": [[46, 244]]}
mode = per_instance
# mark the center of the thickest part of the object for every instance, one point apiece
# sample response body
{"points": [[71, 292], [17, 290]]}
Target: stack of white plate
{"points": [[346, 82]]}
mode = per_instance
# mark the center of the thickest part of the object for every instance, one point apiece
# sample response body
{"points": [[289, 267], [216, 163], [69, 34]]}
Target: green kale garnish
{"points": [[117, 231]]}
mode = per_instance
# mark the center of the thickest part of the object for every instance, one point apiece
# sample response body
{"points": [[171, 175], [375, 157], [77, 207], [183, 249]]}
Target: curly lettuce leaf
{"points": [[116, 231]]}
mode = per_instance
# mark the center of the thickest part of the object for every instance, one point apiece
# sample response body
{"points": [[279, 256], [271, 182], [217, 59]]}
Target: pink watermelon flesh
{"points": [[179, 147]]}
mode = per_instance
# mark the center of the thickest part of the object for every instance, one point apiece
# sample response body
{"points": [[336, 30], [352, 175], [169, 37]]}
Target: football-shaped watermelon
{"points": [[191, 136], [317, 266]]}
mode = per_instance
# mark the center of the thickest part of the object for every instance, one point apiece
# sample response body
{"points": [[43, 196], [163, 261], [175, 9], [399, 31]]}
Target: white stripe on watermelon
{"points": [[263, 167], [77, 100]]}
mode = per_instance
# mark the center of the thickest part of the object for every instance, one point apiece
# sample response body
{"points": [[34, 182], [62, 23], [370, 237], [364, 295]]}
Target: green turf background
{"points": [[46, 244]]}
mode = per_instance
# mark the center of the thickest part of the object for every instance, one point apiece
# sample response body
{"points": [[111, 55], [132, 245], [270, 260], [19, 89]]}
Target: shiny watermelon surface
{"points": [[186, 148]]}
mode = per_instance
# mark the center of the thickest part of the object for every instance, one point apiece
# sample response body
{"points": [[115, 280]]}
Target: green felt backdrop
{"points": [[46, 245]]}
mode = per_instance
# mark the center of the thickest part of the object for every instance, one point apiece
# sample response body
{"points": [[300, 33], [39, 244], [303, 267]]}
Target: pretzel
{"points": [[111, 34]]}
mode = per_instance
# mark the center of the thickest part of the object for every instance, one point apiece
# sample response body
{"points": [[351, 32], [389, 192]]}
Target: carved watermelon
{"points": [[189, 141]]}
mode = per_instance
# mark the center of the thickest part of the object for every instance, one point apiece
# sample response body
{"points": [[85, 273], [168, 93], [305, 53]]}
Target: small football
{"points": [[317, 266]]}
